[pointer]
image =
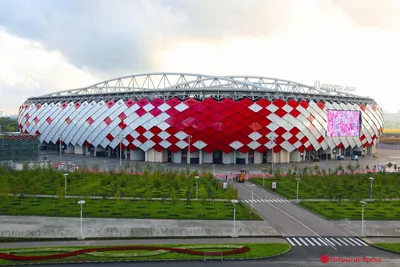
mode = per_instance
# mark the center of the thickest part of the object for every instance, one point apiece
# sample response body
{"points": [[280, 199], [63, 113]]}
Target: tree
{"points": [[188, 196]]}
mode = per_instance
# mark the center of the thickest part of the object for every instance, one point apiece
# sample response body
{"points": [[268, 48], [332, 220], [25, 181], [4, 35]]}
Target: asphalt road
{"points": [[287, 218]]}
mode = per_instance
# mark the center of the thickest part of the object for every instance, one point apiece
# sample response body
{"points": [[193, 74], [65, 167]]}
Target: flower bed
{"points": [[102, 252]]}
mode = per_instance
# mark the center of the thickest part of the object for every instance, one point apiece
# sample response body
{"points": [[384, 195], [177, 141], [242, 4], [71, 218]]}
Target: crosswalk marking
{"points": [[305, 241], [265, 200]]}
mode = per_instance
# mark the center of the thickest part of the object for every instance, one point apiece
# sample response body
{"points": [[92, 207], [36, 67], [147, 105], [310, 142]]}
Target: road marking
{"points": [[315, 240], [343, 242], [309, 241], [348, 241], [305, 243], [333, 240], [287, 214], [291, 243], [297, 242], [329, 242]]}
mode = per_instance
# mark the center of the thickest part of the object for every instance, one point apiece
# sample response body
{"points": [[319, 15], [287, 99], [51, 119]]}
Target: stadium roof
{"points": [[184, 85]]}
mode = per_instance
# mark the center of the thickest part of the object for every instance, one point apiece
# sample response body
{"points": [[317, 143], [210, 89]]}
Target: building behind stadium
{"points": [[182, 118]]}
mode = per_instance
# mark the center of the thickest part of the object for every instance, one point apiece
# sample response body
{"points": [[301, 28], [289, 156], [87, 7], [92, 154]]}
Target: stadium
{"points": [[204, 119]]}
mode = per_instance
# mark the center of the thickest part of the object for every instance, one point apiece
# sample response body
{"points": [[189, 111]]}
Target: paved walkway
{"points": [[67, 227], [274, 199]]}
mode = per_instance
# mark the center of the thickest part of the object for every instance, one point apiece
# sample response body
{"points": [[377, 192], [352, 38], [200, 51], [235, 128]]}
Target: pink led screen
{"points": [[343, 123]]}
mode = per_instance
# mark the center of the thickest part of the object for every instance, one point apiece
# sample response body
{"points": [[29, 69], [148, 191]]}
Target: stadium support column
{"points": [[234, 156], [200, 156]]}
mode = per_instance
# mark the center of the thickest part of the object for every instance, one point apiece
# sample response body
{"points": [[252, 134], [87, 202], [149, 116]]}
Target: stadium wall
{"points": [[219, 131]]}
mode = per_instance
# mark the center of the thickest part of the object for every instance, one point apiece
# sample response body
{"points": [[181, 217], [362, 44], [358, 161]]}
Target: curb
{"points": [[17, 240], [148, 261], [384, 249]]}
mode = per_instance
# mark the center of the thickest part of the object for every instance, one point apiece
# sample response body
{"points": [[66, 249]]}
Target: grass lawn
{"points": [[336, 186], [156, 184], [202, 210], [389, 246], [256, 251], [385, 210]]}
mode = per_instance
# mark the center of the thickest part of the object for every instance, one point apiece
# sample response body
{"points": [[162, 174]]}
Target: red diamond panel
{"points": [[244, 149], [245, 102], [122, 116], [294, 113], [36, 119], [263, 103], [129, 138], [228, 102], [293, 103], [142, 102], [90, 120], [172, 112], [155, 130], [110, 137], [156, 102], [155, 112], [140, 130], [209, 102], [158, 148], [173, 102], [122, 125], [293, 140], [174, 148], [68, 120], [261, 149], [362, 137], [264, 131], [107, 120], [132, 146], [255, 126], [218, 107], [280, 112], [49, 120], [129, 104], [172, 139], [77, 105], [321, 105], [294, 131], [141, 112], [264, 112], [156, 139], [142, 139], [280, 131], [320, 139], [279, 103], [303, 140], [190, 102], [110, 103], [64, 105], [277, 149], [304, 104]]}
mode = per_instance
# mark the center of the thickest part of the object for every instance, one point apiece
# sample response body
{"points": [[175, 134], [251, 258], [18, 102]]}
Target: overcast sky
{"points": [[53, 45]]}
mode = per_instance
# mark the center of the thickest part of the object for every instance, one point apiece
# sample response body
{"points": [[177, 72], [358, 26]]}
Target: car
{"points": [[340, 157], [354, 157]]}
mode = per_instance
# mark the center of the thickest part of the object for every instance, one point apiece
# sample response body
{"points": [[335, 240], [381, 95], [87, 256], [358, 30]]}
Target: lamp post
{"points": [[121, 137], [188, 157], [234, 201], [377, 155], [213, 169], [81, 202], [263, 176], [252, 196], [60, 147], [65, 184], [362, 218], [197, 187], [272, 153], [297, 195], [370, 192]]}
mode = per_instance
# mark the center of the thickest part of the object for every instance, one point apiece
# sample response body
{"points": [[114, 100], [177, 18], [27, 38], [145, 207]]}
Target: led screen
{"points": [[343, 123]]}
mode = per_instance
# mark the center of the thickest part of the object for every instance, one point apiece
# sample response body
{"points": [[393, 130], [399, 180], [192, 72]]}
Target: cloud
{"points": [[27, 69], [70, 43]]}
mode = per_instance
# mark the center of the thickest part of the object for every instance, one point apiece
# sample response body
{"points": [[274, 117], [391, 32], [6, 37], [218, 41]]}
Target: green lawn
{"points": [[387, 210], [256, 251], [152, 184], [331, 186], [389, 246], [202, 210]]}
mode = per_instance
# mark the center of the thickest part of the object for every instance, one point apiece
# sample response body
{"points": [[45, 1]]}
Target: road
{"points": [[287, 218]]}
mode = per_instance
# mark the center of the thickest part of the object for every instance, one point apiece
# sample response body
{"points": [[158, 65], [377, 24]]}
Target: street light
{"points": [[272, 153], [81, 202], [188, 158], [234, 201], [297, 197], [263, 176], [65, 183], [197, 187], [60, 147], [252, 196], [362, 218], [370, 193], [121, 137]]}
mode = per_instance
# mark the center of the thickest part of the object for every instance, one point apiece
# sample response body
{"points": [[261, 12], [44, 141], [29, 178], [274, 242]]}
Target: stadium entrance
{"points": [[217, 157]]}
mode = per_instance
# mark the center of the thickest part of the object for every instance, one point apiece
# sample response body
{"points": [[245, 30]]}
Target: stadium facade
{"points": [[182, 118]]}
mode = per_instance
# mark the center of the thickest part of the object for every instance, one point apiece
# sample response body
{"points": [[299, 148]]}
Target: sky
{"points": [[53, 45]]}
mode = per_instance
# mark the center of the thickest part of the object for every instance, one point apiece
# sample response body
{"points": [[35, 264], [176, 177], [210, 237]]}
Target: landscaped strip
{"points": [[141, 253], [109, 208], [393, 247], [340, 195], [179, 195]]}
